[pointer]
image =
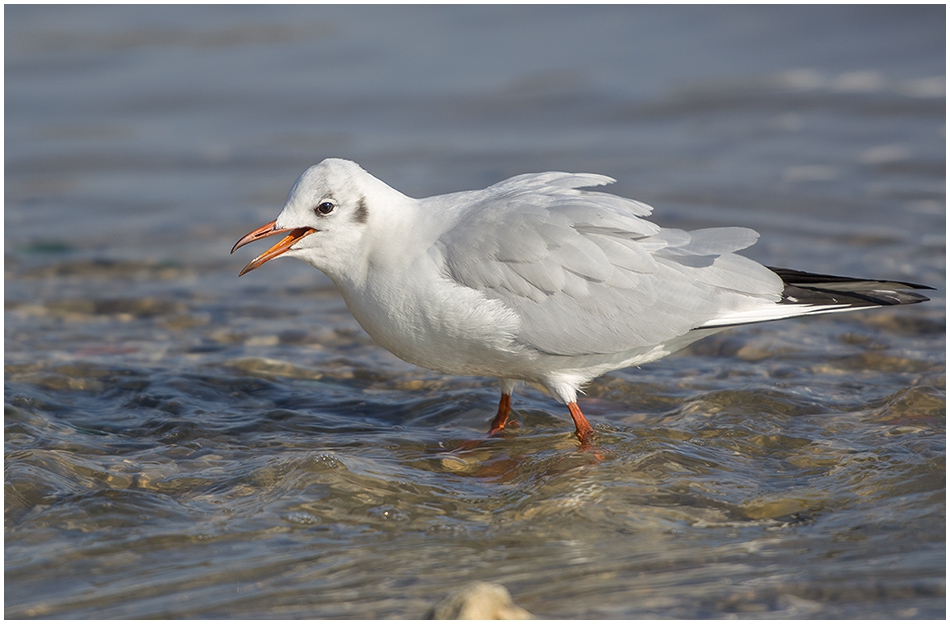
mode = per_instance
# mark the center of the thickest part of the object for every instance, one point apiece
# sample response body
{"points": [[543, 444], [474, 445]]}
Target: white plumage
{"points": [[532, 279]]}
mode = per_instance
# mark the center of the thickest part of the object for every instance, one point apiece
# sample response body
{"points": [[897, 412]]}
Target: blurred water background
{"points": [[183, 443]]}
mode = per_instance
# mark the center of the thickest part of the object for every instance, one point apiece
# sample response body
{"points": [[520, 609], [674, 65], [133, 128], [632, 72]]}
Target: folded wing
{"points": [[587, 274]]}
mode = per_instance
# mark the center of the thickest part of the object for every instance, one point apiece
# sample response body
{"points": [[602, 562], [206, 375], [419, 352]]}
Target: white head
{"points": [[327, 212]]}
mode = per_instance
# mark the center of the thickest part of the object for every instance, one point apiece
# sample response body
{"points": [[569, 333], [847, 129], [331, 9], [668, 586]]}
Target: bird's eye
{"points": [[325, 208]]}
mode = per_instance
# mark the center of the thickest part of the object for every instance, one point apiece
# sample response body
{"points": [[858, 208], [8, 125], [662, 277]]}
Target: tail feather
{"points": [[813, 293]]}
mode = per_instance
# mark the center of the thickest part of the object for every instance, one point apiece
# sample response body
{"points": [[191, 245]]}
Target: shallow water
{"points": [[181, 443]]}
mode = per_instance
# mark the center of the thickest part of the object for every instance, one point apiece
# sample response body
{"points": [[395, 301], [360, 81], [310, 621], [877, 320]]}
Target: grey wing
{"points": [[587, 275]]}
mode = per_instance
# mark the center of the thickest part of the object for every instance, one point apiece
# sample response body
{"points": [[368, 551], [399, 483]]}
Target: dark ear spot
{"points": [[362, 212]]}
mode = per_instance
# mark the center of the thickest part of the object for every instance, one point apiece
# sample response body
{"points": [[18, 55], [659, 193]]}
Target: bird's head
{"points": [[326, 213]]}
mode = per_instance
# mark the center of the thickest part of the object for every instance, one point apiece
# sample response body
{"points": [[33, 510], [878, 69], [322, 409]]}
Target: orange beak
{"points": [[270, 229]]}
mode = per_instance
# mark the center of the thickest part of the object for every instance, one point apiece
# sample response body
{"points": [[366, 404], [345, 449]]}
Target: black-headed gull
{"points": [[534, 280]]}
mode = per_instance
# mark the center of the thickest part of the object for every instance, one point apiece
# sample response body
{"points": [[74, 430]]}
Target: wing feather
{"points": [[586, 274]]}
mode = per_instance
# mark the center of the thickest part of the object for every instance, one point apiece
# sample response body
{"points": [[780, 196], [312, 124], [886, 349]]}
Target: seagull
{"points": [[535, 280]]}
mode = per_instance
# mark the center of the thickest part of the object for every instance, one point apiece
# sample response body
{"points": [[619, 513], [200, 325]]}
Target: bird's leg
{"points": [[501, 418], [582, 428]]}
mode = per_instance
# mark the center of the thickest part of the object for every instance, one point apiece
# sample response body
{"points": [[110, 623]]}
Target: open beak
{"points": [[270, 229]]}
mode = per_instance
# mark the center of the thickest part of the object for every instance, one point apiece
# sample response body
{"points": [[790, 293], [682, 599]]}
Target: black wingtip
{"points": [[802, 278], [820, 289]]}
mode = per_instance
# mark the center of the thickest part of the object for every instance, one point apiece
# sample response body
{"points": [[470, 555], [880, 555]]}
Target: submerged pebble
{"points": [[478, 601]]}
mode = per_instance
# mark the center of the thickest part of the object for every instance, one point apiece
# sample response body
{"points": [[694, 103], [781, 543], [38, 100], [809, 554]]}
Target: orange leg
{"points": [[501, 418], [582, 428]]}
